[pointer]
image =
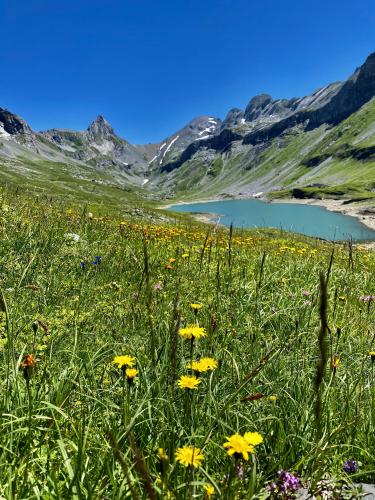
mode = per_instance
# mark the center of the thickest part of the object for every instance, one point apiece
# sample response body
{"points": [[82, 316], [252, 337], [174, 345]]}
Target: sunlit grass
{"points": [[76, 425]]}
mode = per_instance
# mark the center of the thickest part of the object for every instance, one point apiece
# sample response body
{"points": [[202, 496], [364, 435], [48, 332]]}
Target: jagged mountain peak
{"points": [[100, 128]]}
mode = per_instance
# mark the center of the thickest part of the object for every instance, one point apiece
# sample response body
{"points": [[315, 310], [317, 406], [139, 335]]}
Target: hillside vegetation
{"points": [[285, 322]]}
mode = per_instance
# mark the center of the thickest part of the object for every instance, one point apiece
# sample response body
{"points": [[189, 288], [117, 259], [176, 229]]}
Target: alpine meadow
{"points": [[175, 322]]}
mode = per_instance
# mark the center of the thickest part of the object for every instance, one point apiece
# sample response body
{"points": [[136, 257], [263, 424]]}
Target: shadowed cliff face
{"points": [[13, 124]]}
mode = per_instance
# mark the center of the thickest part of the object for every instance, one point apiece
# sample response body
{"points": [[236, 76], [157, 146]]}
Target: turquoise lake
{"points": [[305, 219]]}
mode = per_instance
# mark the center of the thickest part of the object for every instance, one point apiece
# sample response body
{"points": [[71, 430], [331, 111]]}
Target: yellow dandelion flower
{"points": [[272, 398], [203, 365], [195, 365], [131, 373], [335, 362], [192, 332], [372, 355], [189, 455], [237, 445], [196, 307], [126, 360], [209, 490], [188, 382], [162, 454], [253, 438], [185, 255]]}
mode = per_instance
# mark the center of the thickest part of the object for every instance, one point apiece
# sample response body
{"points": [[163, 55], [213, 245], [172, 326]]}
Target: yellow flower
{"points": [[196, 307], [125, 360], [272, 398], [188, 382], [203, 365], [335, 362], [209, 490], [372, 355], [253, 438], [189, 455], [131, 373], [192, 332], [162, 454], [342, 298], [172, 260], [185, 255], [237, 445]]}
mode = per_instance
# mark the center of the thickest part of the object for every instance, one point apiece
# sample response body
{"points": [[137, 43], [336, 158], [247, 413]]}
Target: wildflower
{"points": [[239, 470], [350, 466], [192, 332], [72, 237], [286, 485], [168, 266], [372, 355], [237, 445], [172, 260], [90, 215], [253, 438], [97, 260], [367, 298], [272, 398], [335, 363], [189, 455], [82, 264], [342, 298], [27, 366], [131, 373], [185, 255], [203, 365], [196, 307], [162, 454], [158, 286], [306, 293], [188, 382], [209, 490], [125, 361]]}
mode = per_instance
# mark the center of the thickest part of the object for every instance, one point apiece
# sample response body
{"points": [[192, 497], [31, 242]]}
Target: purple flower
{"points": [[366, 298], [285, 486], [350, 466], [306, 293], [97, 260], [82, 264], [239, 470], [158, 286]]}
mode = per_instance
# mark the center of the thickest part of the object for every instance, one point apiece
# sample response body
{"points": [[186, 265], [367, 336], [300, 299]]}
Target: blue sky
{"points": [[151, 66]]}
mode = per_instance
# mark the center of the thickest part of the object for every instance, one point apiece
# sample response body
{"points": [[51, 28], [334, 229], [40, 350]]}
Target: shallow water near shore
{"points": [[305, 219]]}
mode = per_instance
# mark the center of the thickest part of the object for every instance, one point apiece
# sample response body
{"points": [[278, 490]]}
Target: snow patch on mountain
{"points": [[169, 147]]}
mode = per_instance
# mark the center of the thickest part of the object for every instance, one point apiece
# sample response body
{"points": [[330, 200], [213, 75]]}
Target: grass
{"points": [[73, 427]]}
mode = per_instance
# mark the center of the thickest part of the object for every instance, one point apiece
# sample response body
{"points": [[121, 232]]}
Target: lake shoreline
{"points": [[332, 205]]}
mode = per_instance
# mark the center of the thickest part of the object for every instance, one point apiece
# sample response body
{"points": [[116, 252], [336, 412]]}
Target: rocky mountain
{"points": [[273, 144]]}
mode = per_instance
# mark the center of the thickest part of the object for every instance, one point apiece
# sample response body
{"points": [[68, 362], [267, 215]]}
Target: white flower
{"points": [[72, 237]]}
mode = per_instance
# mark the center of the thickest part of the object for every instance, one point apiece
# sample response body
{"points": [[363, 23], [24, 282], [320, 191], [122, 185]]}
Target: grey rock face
{"points": [[100, 129], [234, 118], [13, 124], [196, 132]]}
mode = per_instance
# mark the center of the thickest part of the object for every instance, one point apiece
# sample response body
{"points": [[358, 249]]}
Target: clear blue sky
{"points": [[150, 66]]}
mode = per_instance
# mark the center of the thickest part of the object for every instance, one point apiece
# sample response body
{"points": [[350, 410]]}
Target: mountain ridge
{"points": [[207, 149]]}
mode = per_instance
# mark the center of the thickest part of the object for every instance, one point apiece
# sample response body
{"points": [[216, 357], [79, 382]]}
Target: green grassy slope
{"points": [[341, 160]]}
